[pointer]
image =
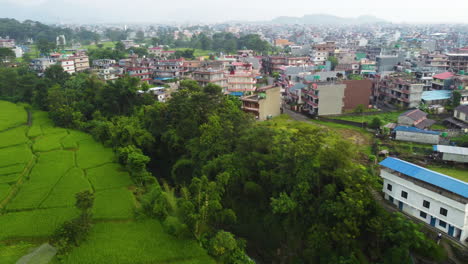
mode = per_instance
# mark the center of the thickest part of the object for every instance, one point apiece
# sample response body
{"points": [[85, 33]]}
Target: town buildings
{"points": [[215, 76], [433, 198], [264, 104], [241, 79], [402, 89], [7, 43]]}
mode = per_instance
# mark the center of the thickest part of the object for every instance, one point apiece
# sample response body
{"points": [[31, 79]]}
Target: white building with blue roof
{"points": [[434, 198], [413, 134]]}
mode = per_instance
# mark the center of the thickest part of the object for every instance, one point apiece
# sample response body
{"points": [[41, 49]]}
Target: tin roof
{"points": [[451, 150], [438, 179], [415, 130], [436, 95]]}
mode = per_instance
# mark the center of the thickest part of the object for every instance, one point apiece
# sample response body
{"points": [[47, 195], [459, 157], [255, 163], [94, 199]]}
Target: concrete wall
{"points": [[415, 95], [331, 99], [455, 157], [457, 212], [271, 104], [460, 116], [417, 137]]}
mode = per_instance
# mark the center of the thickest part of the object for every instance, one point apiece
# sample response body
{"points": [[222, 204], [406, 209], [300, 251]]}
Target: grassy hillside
{"points": [[41, 169]]}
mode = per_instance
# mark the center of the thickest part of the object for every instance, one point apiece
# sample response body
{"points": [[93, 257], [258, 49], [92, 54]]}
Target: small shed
{"points": [[413, 134], [450, 153]]}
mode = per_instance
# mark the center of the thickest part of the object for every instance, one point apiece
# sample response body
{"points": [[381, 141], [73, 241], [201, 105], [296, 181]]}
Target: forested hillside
{"points": [[23, 31], [282, 191]]}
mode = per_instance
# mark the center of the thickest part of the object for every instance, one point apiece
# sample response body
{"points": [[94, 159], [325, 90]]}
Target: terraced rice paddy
{"points": [[41, 169]]}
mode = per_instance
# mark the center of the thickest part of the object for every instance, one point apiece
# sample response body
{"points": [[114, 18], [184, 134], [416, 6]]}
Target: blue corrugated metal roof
{"points": [[415, 130], [426, 175], [436, 95], [297, 86]]}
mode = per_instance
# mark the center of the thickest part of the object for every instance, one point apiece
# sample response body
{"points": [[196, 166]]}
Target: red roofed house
{"points": [[442, 81]]}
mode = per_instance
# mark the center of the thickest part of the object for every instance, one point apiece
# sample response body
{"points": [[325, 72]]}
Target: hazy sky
{"points": [[89, 11]]}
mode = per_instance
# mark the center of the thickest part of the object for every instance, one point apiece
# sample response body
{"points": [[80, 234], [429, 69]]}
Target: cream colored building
{"points": [[265, 104]]}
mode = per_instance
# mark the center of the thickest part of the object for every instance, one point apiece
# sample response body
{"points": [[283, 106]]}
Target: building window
{"points": [[442, 223], [404, 194], [443, 211], [426, 204], [422, 214], [389, 187]]}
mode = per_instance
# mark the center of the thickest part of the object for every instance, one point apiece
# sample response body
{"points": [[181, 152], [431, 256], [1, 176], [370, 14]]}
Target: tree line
{"points": [[285, 192], [28, 29]]}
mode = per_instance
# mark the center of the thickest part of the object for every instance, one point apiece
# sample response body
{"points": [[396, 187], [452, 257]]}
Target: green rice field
{"points": [[42, 167]]}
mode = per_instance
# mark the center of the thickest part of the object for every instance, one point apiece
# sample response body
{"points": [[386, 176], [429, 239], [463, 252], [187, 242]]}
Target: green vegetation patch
{"points": [[40, 119], [29, 197], [64, 192], [36, 223], [458, 173], [12, 115], [49, 142], [13, 137], [114, 204], [4, 191], [51, 166], [11, 253], [72, 139], [10, 178], [109, 176], [15, 155], [15, 168], [92, 154], [136, 242], [390, 117]]}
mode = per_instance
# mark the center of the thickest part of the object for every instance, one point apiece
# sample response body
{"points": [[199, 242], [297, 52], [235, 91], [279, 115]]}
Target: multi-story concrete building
{"points": [[402, 89], [41, 64], [68, 65], [241, 79], [169, 68], [275, 63], [328, 47], [438, 61], [265, 104], [326, 98], [433, 198], [458, 62], [103, 63], [7, 43], [203, 77], [109, 73], [143, 73], [81, 62]]}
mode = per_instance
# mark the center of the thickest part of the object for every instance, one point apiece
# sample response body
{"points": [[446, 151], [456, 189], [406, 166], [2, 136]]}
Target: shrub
{"points": [[175, 227]]}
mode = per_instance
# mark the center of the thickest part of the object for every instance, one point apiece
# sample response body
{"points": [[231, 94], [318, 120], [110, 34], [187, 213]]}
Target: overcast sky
{"points": [[89, 11]]}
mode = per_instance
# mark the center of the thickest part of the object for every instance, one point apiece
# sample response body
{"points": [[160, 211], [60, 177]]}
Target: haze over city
{"points": [[209, 11]]}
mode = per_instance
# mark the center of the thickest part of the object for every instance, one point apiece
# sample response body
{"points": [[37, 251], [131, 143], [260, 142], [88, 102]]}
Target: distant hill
{"points": [[324, 19]]}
